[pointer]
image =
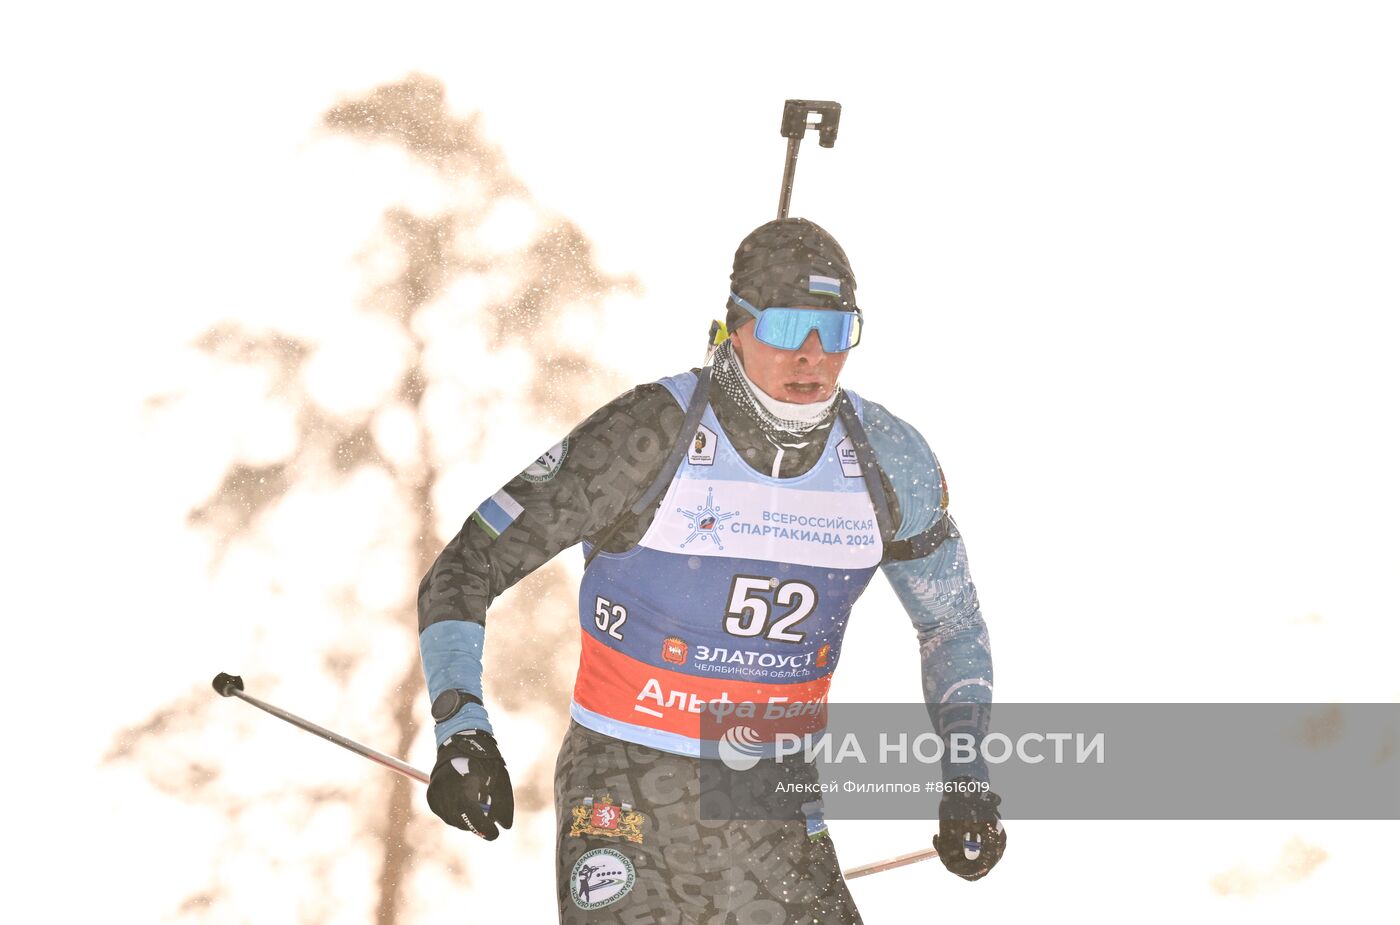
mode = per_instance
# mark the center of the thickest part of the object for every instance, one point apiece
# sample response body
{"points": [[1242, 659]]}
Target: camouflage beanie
{"points": [[789, 262]]}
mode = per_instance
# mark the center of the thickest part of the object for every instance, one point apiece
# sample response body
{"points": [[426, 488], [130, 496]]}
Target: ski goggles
{"points": [[787, 328]]}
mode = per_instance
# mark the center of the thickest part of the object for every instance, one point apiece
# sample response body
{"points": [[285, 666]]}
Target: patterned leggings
{"points": [[634, 849]]}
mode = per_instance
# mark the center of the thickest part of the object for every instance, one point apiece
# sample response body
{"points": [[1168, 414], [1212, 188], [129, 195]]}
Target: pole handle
{"points": [[794, 127], [795, 123]]}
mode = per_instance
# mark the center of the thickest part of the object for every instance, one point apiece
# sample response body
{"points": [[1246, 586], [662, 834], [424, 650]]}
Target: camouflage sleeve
{"points": [[936, 590], [575, 490]]}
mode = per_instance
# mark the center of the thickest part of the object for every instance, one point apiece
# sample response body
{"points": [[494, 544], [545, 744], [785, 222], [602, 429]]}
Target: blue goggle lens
{"points": [[787, 328]]}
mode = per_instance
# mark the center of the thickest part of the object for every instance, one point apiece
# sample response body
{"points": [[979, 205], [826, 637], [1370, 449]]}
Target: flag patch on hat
{"points": [[496, 513], [824, 285]]}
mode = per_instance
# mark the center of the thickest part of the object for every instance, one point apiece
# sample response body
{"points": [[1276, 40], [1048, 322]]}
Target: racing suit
{"points": [[735, 583]]}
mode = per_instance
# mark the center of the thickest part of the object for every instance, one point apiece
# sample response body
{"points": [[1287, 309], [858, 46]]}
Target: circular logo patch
{"points": [[600, 878], [547, 466]]}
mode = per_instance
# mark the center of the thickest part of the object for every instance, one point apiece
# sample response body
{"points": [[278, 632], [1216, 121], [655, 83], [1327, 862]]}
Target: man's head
{"points": [[789, 263]]}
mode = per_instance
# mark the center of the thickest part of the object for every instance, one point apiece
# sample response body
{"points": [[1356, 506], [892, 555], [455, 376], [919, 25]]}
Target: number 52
{"points": [[748, 611], [609, 617]]}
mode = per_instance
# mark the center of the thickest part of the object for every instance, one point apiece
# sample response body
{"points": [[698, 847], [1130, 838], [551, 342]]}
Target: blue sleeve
{"points": [[451, 652], [936, 590]]}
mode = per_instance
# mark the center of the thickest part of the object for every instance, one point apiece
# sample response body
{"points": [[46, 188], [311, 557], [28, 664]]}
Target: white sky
{"points": [[1130, 268]]}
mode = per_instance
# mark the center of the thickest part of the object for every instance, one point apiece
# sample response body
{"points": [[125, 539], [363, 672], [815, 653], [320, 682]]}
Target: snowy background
{"points": [[1130, 268]]}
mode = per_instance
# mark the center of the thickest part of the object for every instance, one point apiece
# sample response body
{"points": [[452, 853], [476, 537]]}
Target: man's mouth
{"points": [[805, 388]]}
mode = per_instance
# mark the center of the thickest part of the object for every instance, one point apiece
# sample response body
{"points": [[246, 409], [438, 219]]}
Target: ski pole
{"points": [[231, 685], [795, 126], [875, 867]]}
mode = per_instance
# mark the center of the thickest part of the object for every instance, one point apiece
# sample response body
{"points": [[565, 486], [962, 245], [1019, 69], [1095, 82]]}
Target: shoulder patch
{"points": [[497, 513], [548, 464]]}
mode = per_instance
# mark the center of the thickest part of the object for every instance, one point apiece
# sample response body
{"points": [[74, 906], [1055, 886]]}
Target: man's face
{"points": [[804, 375]]}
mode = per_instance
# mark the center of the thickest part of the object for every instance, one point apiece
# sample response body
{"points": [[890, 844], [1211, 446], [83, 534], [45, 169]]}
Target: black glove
{"points": [[470, 786], [970, 837]]}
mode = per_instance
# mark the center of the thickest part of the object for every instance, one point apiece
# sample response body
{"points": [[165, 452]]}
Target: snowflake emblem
{"points": [[705, 521]]}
